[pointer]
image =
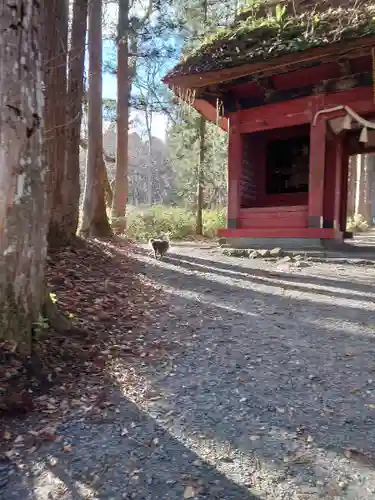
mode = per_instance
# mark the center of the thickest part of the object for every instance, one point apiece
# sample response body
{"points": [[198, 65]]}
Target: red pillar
{"points": [[329, 182], [344, 188], [338, 185], [316, 171], [235, 159]]}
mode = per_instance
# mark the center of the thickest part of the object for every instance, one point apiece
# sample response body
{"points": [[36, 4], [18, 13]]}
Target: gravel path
{"points": [[267, 391]]}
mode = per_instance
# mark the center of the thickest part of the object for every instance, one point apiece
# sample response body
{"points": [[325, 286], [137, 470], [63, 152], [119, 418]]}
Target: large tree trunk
{"points": [[95, 221], [55, 46], [107, 188], [74, 114], [23, 210], [107, 185], [122, 133]]}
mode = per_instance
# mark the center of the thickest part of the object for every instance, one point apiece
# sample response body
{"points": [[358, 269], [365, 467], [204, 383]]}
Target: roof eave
{"points": [[282, 64]]}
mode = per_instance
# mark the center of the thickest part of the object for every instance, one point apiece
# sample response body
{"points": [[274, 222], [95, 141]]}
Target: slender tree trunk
{"points": [[200, 180], [360, 191], [352, 181], [202, 151], [150, 159], [23, 204], [372, 193], [74, 114], [366, 206], [149, 176], [120, 194], [55, 45], [95, 221]]}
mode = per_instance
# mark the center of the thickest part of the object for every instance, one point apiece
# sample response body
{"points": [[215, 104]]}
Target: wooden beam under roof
{"points": [[233, 103]]}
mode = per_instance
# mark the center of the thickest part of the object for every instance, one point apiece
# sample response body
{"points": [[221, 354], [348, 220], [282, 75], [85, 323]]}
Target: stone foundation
{"points": [[287, 244]]}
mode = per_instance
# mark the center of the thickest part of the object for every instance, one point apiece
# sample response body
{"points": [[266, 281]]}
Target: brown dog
{"points": [[159, 246]]}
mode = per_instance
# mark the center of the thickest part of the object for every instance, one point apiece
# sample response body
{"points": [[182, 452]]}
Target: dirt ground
{"points": [[260, 384]]}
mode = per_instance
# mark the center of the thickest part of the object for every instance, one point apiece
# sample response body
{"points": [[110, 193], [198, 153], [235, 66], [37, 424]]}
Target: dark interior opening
{"points": [[287, 165]]}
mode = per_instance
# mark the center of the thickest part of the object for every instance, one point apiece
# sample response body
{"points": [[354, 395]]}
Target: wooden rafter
{"points": [[328, 86]]}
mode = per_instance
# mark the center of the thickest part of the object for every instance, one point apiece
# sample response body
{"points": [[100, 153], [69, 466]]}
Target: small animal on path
{"points": [[159, 246]]}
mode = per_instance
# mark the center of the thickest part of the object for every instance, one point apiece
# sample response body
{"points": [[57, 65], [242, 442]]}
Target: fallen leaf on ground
{"points": [[189, 492], [359, 456]]}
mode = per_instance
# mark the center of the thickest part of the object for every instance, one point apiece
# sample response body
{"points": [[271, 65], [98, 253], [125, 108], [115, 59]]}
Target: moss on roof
{"points": [[255, 39]]}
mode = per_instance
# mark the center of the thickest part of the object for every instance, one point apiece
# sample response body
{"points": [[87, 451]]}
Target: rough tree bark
{"points": [[76, 63], [126, 70], [107, 185], [122, 130], [95, 221], [54, 49], [23, 204]]}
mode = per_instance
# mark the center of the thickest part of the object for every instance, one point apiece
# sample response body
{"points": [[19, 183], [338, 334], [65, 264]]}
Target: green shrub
{"points": [[144, 223], [153, 221], [357, 224], [213, 220]]}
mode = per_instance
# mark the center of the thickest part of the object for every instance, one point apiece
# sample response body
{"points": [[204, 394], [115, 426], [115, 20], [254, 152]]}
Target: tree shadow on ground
{"points": [[290, 361], [238, 290], [120, 454], [278, 278], [117, 450], [252, 373], [230, 270]]}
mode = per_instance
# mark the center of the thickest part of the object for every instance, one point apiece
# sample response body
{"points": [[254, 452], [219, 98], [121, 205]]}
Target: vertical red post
{"points": [[235, 159], [344, 189], [260, 167], [329, 181], [316, 169], [338, 186]]}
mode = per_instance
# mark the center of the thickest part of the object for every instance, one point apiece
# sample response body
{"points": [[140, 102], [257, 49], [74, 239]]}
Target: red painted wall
{"points": [[253, 179], [297, 213], [253, 166], [274, 217]]}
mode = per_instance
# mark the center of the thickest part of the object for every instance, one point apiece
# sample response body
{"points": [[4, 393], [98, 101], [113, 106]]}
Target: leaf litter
{"points": [[96, 285]]}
